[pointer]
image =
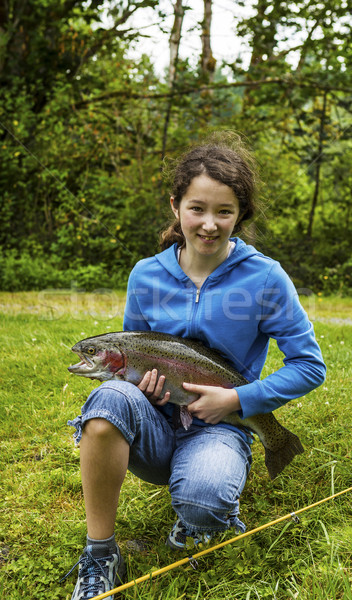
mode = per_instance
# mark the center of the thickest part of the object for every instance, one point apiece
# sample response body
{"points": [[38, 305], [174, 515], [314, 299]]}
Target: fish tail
{"points": [[277, 460]]}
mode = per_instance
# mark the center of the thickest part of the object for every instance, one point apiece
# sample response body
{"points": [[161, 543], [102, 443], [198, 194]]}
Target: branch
{"points": [[305, 46], [288, 81], [104, 35]]}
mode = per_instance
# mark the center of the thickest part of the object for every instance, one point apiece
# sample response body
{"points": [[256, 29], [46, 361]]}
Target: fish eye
{"points": [[91, 350]]}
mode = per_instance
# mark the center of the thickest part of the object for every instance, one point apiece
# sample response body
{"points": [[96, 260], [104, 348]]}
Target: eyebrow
{"points": [[223, 204]]}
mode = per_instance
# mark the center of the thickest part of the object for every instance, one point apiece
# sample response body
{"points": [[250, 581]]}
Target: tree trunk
{"points": [[207, 62], [318, 163], [263, 43], [175, 39]]}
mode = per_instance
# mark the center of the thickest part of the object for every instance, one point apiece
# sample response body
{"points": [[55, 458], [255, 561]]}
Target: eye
{"points": [[91, 350]]}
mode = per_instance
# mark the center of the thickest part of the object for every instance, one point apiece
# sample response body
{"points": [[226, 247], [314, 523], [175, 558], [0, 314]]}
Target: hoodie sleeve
{"points": [[133, 319], [284, 319]]}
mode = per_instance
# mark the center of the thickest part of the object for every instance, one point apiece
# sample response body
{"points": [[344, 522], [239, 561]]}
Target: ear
{"points": [[173, 208]]}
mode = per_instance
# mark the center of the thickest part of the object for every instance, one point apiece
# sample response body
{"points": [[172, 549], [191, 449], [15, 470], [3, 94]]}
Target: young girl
{"points": [[205, 284]]}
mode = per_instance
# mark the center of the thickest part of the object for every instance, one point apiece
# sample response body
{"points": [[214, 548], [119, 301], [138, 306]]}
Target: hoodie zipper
{"points": [[192, 329]]}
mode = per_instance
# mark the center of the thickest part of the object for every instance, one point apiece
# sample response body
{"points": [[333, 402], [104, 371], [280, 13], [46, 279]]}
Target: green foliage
{"points": [[42, 521], [84, 129], [25, 272]]}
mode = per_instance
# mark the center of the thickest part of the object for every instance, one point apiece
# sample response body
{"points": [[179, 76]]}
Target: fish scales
{"points": [[179, 364], [193, 356], [127, 355]]}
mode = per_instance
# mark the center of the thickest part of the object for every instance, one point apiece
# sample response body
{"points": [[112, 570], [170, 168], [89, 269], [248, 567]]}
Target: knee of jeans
{"points": [[205, 509], [109, 398], [114, 403]]}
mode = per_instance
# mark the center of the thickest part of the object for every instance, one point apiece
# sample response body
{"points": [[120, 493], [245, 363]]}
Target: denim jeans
{"points": [[205, 467]]}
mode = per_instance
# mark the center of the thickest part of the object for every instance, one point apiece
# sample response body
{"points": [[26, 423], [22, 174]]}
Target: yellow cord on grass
{"points": [[189, 559]]}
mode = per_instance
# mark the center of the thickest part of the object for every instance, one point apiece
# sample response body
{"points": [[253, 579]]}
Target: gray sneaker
{"points": [[177, 538], [97, 574]]}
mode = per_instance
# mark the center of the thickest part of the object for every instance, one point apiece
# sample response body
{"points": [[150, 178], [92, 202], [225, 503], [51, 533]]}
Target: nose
{"points": [[209, 224]]}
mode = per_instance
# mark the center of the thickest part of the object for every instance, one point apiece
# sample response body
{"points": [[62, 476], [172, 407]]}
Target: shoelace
{"points": [[88, 561]]}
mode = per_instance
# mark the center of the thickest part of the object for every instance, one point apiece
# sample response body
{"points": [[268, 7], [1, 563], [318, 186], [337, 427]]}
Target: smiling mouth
{"points": [[208, 237]]}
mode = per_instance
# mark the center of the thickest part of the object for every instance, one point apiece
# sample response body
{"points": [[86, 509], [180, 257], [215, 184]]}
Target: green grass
{"points": [[42, 521]]}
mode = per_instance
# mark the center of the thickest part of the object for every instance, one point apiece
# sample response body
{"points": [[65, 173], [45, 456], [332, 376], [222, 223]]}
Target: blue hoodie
{"points": [[244, 302]]}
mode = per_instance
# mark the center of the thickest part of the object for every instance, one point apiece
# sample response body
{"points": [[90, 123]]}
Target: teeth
{"points": [[86, 361]]}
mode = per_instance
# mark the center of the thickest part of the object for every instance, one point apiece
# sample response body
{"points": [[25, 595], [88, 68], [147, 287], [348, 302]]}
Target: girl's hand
{"points": [[214, 403], [152, 387]]}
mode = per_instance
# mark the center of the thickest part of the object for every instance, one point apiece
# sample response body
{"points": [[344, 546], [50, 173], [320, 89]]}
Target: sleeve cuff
{"points": [[251, 399]]}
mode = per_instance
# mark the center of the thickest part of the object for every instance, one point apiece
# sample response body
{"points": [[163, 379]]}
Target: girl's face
{"points": [[208, 213]]}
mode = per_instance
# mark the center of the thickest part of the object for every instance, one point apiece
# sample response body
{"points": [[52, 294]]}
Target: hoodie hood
{"points": [[242, 251]]}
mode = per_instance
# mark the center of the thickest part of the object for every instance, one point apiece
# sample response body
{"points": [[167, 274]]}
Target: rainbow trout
{"points": [[127, 355]]}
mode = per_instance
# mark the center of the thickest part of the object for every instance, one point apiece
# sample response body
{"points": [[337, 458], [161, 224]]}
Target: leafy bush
{"points": [[25, 272]]}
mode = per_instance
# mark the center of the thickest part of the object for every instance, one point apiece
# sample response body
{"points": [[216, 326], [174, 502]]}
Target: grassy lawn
{"points": [[42, 521]]}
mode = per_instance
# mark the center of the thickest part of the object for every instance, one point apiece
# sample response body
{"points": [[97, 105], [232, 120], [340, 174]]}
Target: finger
{"points": [[193, 387], [164, 400], [145, 381], [159, 386], [152, 382], [155, 397], [195, 406]]}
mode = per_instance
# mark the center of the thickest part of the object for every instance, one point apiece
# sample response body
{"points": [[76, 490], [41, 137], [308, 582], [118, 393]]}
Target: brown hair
{"points": [[223, 157]]}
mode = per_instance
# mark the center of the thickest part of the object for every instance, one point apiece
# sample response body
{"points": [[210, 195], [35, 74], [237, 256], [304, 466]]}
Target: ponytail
{"points": [[173, 234]]}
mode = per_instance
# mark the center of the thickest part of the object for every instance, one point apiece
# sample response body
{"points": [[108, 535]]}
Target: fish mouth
{"points": [[84, 365], [101, 366]]}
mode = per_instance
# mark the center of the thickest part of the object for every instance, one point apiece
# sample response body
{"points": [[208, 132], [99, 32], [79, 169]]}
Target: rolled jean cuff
{"points": [[77, 423], [80, 421], [235, 522], [217, 521]]}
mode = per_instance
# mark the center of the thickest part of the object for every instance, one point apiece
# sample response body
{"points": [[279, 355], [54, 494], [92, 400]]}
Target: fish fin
{"points": [[276, 461], [185, 417]]}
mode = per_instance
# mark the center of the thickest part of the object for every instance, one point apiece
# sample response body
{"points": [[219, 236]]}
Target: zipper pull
{"points": [[197, 295]]}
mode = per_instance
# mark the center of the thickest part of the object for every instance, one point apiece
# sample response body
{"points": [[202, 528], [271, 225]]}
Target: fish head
{"points": [[100, 358]]}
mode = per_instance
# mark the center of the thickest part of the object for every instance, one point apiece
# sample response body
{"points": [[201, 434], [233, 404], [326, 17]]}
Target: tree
{"points": [[207, 60], [52, 58], [84, 128], [175, 40]]}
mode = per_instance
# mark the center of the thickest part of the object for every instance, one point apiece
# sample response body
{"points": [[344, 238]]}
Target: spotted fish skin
{"points": [[127, 355]]}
